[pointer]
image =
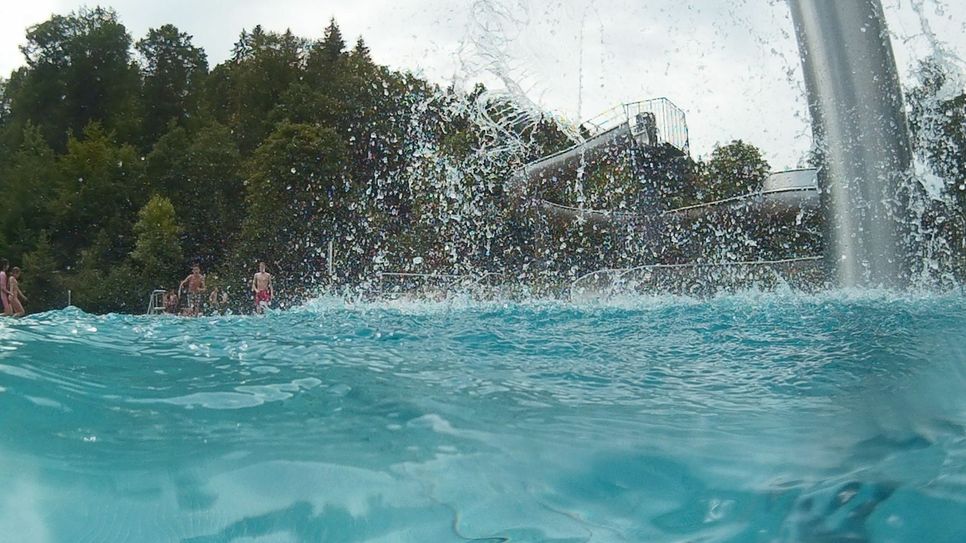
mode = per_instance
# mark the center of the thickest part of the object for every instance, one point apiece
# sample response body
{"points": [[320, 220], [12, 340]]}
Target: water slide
{"points": [[643, 124], [783, 195], [565, 164]]}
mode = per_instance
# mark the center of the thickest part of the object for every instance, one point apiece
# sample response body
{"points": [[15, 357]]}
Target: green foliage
{"points": [[157, 250], [41, 280], [671, 178], [294, 180], [734, 169], [247, 89], [102, 282], [332, 46], [100, 189], [79, 70], [174, 73], [119, 170], [28, 184], [200, 172]]}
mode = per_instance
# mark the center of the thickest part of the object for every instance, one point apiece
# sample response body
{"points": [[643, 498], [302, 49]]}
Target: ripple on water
{"points": [[750, 417]]}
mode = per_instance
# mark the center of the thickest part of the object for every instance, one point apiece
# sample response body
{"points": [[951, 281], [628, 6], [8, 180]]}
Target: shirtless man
{"points": [[5, 308], [262, 287], [196, 290], [15, 293]]}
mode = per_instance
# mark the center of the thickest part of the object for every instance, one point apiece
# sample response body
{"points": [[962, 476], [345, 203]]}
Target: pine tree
{"points": [[360, 53], [333, 45]]}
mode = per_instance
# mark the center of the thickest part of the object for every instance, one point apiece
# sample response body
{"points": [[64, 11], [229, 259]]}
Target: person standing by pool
{"points": [[171, 302], [196, 289], [217, 301], [262, 287], [15, 294], [4, 293]]}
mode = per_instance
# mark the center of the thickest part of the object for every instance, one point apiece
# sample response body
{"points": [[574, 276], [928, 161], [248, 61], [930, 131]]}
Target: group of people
{"points": [[12, 297], [196, 290]]}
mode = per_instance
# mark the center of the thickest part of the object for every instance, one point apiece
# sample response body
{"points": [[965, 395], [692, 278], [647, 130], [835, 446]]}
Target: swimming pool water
{"points": [[759, 417]]}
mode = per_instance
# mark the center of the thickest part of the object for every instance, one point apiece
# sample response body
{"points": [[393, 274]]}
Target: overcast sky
{"points": [[732, 65]]}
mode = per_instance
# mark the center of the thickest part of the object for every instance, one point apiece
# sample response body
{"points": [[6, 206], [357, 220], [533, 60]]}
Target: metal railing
{"points": [[670, 123], [616, 277], [156, 302], [613, 214], [445, 282]]}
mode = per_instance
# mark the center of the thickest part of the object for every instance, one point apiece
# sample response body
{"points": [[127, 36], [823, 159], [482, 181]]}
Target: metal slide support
{"points": [[862, 137]]}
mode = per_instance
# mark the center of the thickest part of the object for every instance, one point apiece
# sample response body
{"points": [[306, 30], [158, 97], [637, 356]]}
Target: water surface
{"points": [[759, 417]]}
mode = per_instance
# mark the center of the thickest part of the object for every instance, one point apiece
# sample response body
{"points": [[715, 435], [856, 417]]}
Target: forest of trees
{"points": [[122, 162]]}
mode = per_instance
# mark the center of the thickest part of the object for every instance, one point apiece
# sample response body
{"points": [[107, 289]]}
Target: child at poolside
{"points": [[4, 289], [218, 301], [196, 289], [15, 293], [171, 302]]}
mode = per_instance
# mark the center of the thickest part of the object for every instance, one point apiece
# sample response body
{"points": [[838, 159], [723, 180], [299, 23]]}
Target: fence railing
{"points": [[409, 282], [613, 279], [667, 121], [615, 214]]}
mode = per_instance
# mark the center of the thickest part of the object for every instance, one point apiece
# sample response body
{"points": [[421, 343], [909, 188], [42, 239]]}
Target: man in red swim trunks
{"points": [[262, 287]]}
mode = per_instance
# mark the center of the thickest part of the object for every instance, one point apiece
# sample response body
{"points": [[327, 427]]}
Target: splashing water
{"points": [[771, 417]]}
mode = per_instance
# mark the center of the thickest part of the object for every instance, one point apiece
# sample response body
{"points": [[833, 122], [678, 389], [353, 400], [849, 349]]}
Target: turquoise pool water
{"points": [[760, 417]]}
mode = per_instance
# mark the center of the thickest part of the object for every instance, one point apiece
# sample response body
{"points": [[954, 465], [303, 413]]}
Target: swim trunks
{"points": [[263, 297]]}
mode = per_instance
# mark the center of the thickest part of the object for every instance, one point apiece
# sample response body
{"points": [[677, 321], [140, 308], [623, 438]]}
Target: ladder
{"points": [[156, 302]]}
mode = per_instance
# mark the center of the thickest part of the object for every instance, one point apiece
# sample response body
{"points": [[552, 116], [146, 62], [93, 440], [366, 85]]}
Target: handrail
{"points": [[622, 273], [152, 299], [414, 274], [551, 156], [714, 203], [671, 120], [738, 198], [454, 278]]}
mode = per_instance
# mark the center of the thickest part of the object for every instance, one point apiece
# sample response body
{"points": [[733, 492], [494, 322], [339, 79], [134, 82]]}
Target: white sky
{"points": [[732, 65]]}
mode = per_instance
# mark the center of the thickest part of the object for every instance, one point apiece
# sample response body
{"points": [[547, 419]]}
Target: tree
{"points": [[200, 172], [325, 64], [40, 276], [174, 74], [78, 70], [670, 178], [360, 53], [102, 281], [332, 46], [246, 90], [157, 250], [28, 185], [294, 181], [100, 189], [734, 169]]}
